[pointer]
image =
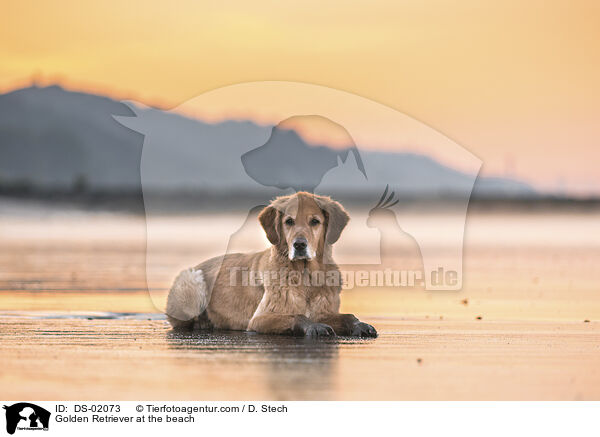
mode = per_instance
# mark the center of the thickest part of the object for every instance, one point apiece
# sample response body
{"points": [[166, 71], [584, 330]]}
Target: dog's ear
{"points": [[268, 219], [337, 219]]}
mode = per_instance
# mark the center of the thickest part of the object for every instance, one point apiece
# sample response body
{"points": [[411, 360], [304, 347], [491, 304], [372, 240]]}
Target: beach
{"points": [[77, 321], [61, 359]]}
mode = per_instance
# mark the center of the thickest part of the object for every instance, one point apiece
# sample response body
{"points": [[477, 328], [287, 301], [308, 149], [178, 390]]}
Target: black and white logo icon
{"points": [[26, 416]]}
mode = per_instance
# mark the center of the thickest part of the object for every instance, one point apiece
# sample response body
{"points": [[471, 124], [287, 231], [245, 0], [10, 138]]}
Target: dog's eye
{"points": [[314, 222], [289, 222]]}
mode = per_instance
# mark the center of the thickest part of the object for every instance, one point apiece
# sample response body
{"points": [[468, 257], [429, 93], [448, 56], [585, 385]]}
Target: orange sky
{"points": [[514, 82]]}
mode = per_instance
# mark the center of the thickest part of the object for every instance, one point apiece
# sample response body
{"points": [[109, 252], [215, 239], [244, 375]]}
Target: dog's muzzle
{"points": [[299, 249]]}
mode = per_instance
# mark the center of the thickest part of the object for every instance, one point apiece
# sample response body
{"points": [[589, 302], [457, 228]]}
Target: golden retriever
{"points": [[291, 288]]}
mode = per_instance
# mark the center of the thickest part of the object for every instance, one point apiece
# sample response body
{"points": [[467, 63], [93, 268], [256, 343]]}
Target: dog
{"points": [[293, 287]]}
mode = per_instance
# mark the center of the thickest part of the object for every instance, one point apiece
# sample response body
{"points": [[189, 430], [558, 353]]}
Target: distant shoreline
{"points": [[132, 202]]}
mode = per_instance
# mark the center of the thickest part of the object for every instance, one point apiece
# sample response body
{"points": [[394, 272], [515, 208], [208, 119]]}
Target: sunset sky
{"points": [[516, 83]]}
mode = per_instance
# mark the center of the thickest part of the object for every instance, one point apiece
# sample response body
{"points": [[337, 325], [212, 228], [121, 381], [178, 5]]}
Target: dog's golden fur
{"points": [[207, 297]]}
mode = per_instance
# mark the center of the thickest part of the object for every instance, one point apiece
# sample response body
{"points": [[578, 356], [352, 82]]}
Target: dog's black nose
{"points": [[300, 244]]}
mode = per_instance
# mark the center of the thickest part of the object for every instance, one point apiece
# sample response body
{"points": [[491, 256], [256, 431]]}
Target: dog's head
{"points": [[302, 224]]}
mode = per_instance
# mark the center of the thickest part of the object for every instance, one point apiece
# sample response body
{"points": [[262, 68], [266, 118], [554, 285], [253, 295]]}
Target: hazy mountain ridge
{"points": [[55, 139]]}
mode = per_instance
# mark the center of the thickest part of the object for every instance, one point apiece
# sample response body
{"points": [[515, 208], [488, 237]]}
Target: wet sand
{"points": [[66, 282], [417, 359]]}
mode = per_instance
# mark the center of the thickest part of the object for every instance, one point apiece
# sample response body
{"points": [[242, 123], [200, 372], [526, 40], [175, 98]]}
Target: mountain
{"points": [[53, 139]]}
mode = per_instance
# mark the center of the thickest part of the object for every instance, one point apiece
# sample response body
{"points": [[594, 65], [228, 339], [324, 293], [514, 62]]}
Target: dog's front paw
{"points": [[361, 329], [318, 330]]}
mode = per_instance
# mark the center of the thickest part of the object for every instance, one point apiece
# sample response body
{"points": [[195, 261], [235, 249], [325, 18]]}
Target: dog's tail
{"points": [[188, 298]]}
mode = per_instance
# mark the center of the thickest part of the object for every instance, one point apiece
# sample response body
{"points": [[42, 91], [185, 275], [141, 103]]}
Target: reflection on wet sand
{"points": [[287, 365]]}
